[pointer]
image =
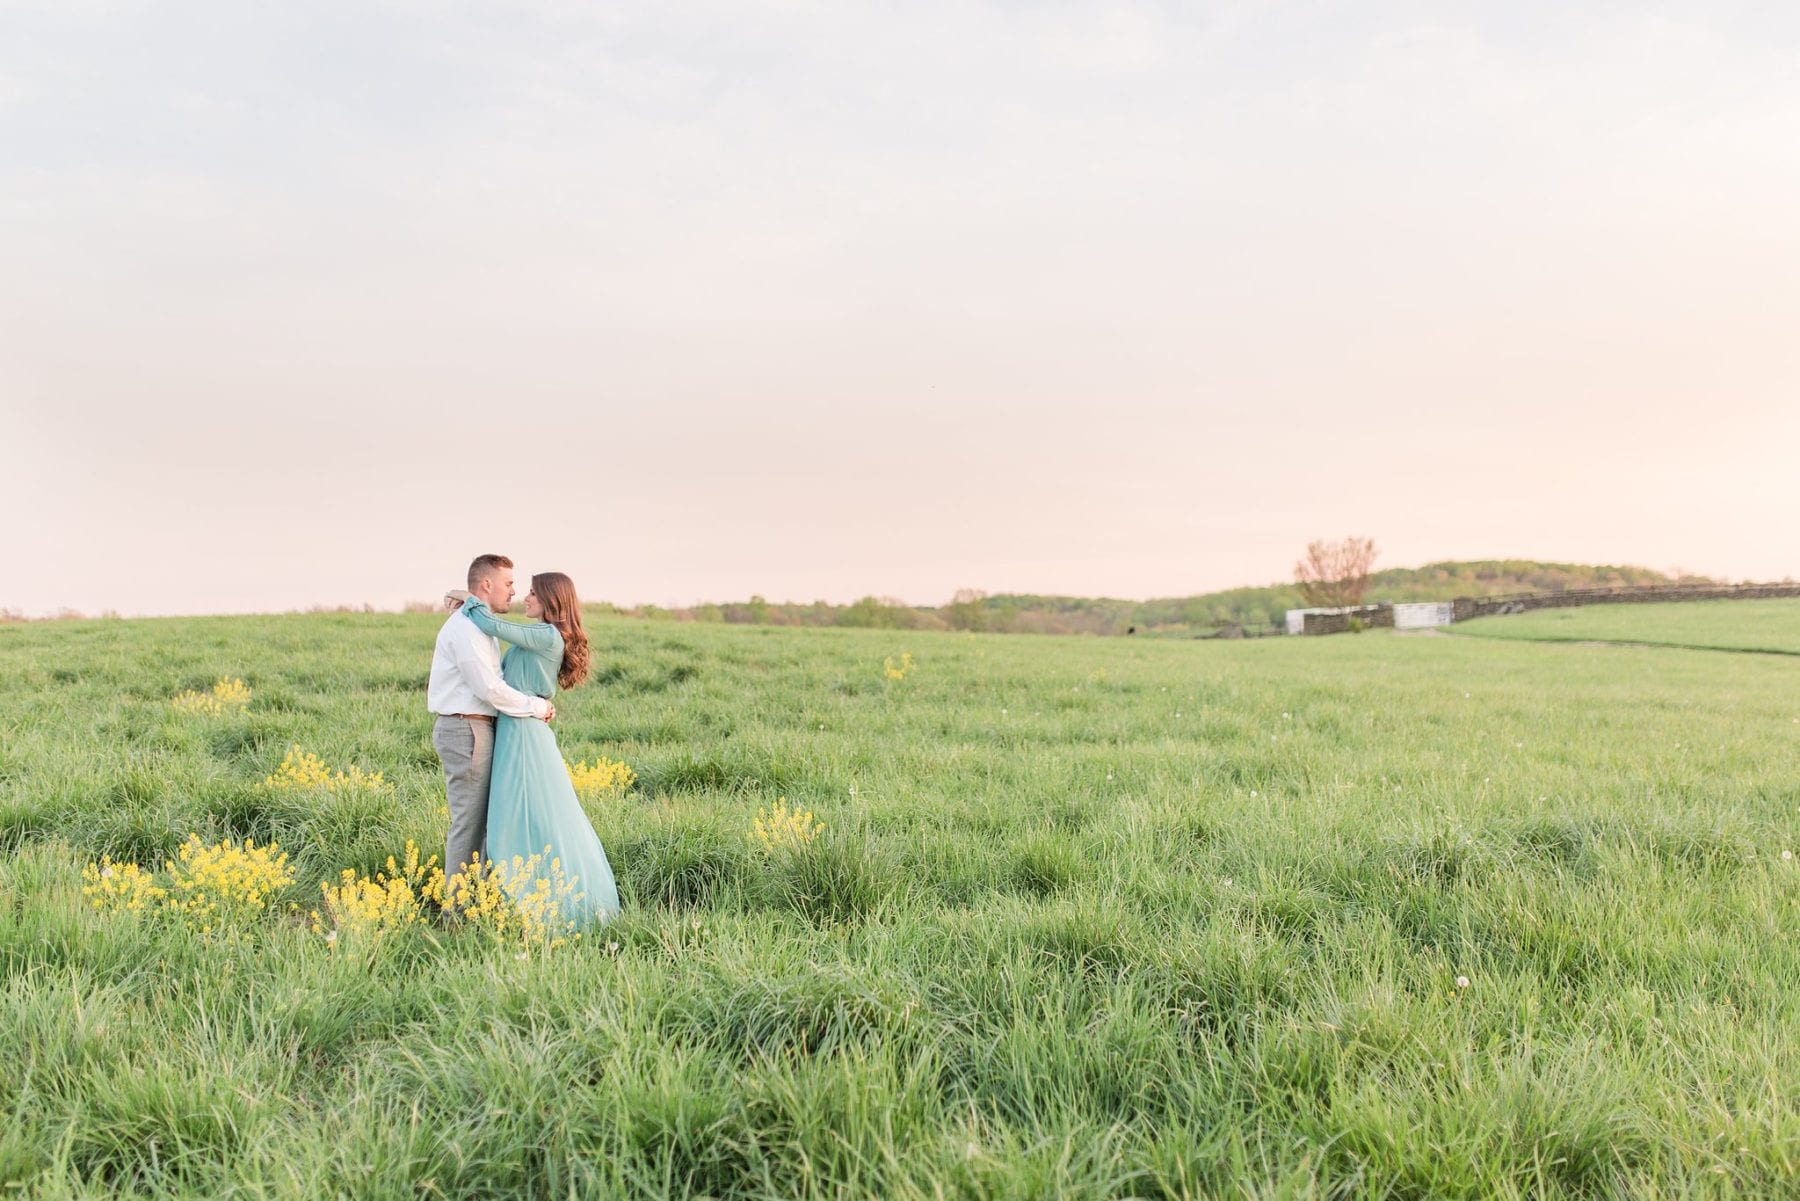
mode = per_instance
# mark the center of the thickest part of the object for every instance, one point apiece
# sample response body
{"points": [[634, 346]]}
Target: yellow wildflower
{"points": [[302, 771], [119, 887], [607, 777], [358, 906], [521, 902], [778, 828], [225, 884], [228, 693]]}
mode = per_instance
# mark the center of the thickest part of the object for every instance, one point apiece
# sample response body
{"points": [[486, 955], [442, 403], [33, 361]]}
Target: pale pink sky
{"points": [[308, 305]]}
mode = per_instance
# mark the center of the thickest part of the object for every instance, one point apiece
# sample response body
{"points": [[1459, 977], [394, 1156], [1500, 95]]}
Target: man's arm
{"points": [[487, 684]]}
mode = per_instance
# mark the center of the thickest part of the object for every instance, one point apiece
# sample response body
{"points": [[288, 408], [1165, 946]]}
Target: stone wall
{"points": [[1467, 607], [1373, 617], [1377, 617]]}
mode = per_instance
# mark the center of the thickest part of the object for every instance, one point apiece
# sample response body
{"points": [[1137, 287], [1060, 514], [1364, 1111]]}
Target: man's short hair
{"points": [[485, 566]]}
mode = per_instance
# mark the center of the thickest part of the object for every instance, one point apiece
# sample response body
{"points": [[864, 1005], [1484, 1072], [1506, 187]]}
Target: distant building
{"points": [[1423, 616]]}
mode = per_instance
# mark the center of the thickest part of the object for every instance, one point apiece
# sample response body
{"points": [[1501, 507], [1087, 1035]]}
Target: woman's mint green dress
{"points": [[532, 807]]}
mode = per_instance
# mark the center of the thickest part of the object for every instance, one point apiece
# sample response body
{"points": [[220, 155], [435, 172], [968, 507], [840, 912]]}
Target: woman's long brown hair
{"points": [[562, 609]]}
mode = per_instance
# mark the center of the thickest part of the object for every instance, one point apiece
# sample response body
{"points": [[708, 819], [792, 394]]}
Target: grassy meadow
{"points": [[1365, 916], [1772, 626]]}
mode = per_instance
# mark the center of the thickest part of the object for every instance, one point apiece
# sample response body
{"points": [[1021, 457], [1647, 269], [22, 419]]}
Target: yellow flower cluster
{"points": [[897, 670], [210, 887], [779, 828], [119, 887], [228, 693], [302, 771], [225, 884], [607, 777], [519, 902], [359, 907]]}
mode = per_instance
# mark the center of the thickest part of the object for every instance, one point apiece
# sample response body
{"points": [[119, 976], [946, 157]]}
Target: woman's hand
{"points": [[453, 599]]}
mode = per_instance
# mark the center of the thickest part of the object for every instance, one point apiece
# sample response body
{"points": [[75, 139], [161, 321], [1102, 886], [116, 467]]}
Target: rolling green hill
{"points": [[1771, 626], [1251, 607]]}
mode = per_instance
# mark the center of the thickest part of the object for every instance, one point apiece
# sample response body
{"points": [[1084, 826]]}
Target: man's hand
{"points": [[549, 711]]}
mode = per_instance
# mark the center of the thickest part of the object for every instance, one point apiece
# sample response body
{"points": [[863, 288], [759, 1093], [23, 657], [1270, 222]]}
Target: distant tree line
{"points": [[1187, 616]]}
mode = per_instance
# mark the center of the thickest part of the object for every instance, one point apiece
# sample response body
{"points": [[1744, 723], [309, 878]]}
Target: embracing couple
{"points": [[510, 794]]}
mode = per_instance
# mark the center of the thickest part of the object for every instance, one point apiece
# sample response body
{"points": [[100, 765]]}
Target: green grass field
{"points": [[1739, 625], [1095, 918]]}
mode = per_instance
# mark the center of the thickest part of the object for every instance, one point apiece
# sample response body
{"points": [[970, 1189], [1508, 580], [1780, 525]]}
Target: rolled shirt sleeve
{"points": [[484, 678]]}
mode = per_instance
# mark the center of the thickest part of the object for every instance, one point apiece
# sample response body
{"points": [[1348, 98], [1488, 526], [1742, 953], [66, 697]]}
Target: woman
{"points": [[532, 808]]}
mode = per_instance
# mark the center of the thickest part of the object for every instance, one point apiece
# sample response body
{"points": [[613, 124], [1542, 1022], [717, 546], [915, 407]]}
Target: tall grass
{"points": [[1089, 918]]}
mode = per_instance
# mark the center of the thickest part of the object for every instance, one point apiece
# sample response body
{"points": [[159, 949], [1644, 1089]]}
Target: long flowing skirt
{"points": [[533, 810]]}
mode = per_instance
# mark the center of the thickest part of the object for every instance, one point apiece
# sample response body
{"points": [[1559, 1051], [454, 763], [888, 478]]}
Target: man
{"points": [[465, 693]]}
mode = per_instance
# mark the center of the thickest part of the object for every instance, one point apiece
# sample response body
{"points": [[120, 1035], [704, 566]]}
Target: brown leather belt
{"points": [[487, 717]]}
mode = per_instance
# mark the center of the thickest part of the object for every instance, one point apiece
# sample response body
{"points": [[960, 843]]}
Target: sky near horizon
{"points": [[308, 304]]}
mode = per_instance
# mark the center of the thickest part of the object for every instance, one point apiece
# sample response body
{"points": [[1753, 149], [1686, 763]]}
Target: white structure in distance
{"points": [[1423, 616], [1406, 617]]}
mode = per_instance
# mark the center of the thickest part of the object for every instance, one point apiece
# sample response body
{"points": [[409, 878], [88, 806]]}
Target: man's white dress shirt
{"points": [[465, 675]]}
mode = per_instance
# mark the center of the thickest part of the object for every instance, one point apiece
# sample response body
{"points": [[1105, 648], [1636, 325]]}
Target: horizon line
{"points": [[10, 616]]}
